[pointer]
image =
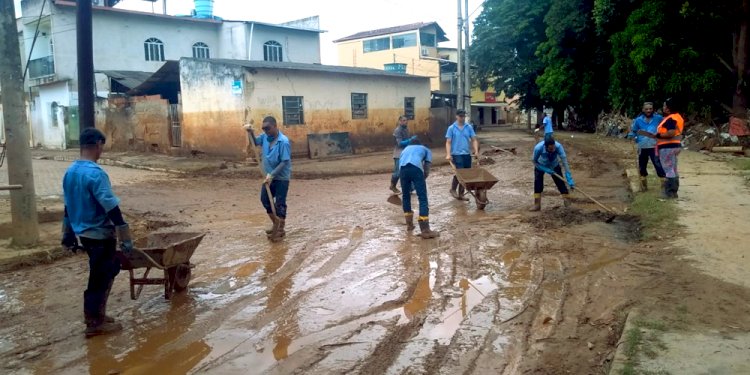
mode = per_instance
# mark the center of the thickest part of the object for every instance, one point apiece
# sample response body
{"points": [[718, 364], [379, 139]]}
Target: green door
{"points": [[72, 127]]}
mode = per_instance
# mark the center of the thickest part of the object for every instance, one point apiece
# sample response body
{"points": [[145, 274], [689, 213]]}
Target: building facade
{"points": [[128, 41], [412, 49], [359, 104]]}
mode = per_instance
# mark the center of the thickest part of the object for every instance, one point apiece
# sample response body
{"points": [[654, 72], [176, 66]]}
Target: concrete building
{"points": [[410, 49], [341, 108], [128, 45]]}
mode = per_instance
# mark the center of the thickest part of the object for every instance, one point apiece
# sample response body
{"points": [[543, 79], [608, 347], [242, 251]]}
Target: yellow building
{"points": [[410, 49]]}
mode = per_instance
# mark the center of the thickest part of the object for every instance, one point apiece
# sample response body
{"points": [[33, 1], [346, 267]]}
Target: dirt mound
{"points": [[560, 217]]}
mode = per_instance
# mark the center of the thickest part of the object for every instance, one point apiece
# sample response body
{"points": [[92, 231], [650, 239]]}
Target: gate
{"points": [[174, 124]]}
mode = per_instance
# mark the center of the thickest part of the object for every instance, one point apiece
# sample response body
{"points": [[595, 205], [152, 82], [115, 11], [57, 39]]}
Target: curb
{"points": [[620, 358], [118, 163]]}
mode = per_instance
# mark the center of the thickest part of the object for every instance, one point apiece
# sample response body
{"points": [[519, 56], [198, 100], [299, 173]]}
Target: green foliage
{"points": [[506, 36], [597, 55]]}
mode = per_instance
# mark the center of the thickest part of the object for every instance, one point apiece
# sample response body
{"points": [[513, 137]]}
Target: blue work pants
{"points": [[413, 178]]}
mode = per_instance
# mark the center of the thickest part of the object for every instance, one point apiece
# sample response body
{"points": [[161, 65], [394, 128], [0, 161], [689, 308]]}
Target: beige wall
{"points": [[212, 115], [351, 54]]}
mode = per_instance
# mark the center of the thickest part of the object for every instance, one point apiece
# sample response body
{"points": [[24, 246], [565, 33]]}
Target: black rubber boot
{"points": [[409, 218], [393, 187], [279, 233], [676, 186], [427, 233], [274, 224], [537, 205]]}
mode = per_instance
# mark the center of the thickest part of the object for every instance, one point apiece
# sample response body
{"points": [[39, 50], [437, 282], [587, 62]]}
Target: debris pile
{"points": [[699, 136], [613, 125]]}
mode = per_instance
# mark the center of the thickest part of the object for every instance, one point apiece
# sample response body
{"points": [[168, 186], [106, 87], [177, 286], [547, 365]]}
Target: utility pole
{"points": [[85, 53], [467, 65], [25, 229], [459, 63]]}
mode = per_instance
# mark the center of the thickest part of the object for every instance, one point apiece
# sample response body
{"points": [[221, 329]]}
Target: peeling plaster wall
{"points": [[135, 124], [213, 115]]}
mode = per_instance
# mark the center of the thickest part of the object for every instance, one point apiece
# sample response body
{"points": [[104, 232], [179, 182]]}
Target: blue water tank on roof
{"points": [[204, 8]]}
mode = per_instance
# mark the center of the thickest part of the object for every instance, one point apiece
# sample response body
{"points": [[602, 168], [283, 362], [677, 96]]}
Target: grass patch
{"points": [[656, 214], [741, 164], [643, 339]]}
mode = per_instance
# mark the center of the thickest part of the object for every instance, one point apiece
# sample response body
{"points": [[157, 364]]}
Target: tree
{"points": [[506, 36]]}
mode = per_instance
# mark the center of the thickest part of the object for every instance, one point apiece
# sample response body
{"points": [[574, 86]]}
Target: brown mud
{"points": [[349, 290]]}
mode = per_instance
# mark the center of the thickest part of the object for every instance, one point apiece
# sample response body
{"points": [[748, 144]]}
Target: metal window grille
{"points": [[359, 105], [272, 51], [154, 49], [294, 113], [409, 108], [200, 51]]}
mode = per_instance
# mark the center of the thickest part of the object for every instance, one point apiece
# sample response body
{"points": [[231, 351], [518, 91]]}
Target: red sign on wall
{"points": [[489, 97]]}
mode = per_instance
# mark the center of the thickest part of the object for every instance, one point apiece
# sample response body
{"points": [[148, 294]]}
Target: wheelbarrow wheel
{"points": [[481, 198], [181, 277]]}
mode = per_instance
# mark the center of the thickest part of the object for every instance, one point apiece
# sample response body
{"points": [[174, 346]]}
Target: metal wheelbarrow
{"points": [[476, 180], [169, 252]]}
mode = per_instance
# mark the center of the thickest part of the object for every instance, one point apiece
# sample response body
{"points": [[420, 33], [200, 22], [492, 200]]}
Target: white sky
{"points": [[339, 18]]}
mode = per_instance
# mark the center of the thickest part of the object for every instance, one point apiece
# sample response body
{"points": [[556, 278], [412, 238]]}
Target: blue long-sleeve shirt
{"points": [[550, 159], [548, 125], [642, 123]]}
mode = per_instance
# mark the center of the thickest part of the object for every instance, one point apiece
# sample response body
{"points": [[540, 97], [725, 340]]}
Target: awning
{"points": [[165, 82], [127, 78]]}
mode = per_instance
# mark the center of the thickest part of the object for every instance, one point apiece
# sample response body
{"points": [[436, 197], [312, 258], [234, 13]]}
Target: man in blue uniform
{"points": [[548, 131], [548, 156], [93, 214], [401, 134], [277, 163], [414, 167], [460, 144], [648, 121]]}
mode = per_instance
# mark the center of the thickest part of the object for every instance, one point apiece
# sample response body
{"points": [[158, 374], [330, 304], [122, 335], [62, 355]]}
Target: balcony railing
{"points": [[41, 67]]}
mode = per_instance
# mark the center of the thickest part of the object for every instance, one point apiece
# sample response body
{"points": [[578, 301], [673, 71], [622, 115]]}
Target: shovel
{"points": [[611, 211]]}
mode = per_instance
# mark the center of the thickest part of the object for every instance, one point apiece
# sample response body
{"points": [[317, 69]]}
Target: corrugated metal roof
{"points": [[311, 68], [395, 29], [127, 78]]}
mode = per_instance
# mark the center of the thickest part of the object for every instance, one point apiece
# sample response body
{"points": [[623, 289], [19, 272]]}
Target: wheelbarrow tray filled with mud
{"points": [[169, 252], [477, 181]]}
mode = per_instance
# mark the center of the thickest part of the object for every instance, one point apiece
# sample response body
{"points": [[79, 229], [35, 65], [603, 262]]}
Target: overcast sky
{"points": [[338, 17]]}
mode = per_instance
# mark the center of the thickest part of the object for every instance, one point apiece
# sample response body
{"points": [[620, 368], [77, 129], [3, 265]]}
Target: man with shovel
{"points": [[548, 156], [414, 167], [277, 165]]}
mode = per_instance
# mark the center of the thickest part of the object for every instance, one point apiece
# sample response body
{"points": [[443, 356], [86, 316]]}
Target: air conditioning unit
{"points": [[425, 51]]}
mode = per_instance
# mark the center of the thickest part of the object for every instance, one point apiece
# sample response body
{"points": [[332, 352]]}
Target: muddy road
{"points": [[501, 291]]}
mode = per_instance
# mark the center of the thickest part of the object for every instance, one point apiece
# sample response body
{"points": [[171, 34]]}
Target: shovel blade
{"points": [[395, 199]]}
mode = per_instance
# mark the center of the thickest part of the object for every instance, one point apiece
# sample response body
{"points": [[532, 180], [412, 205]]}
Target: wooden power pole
{"points": [[22, 201]]}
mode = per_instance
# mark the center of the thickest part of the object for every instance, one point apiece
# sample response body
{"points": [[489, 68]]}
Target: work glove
{"points": [[413, 137], [268, 179], [569, 178], [124, 238], [545, 169], [69, 240]]}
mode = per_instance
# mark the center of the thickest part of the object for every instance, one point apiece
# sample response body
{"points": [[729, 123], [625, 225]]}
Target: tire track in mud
{"points": [[289, 269]]}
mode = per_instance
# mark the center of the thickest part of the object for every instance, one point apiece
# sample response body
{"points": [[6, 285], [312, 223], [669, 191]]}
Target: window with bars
{"points": [[200, 51], [154, 49], [294, 113], [272, 51], [409, 108], [359, 105]]}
